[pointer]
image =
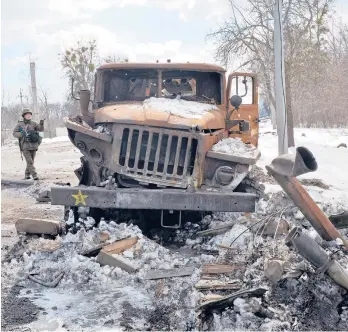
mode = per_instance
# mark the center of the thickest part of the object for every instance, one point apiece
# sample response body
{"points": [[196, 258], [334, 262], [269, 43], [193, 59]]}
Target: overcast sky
{"points": [[142, 30]]}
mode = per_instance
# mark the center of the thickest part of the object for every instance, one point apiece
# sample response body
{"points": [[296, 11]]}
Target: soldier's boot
{"points": [[27, 177], [35, 177]]}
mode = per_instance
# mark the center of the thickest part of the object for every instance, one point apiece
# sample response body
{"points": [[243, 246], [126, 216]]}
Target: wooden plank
{"points": [[37, 226], [170, 273], [115, 261], [218, 284], [17, 182], [220, 268], [120, 245]]}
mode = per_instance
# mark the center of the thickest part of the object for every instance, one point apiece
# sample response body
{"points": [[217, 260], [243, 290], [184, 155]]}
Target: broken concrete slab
{"points": [[170, 273], [120, 245], [274, 270], [115, 261], [228, 300], [221, 268], [218, 285], [38, 226]]}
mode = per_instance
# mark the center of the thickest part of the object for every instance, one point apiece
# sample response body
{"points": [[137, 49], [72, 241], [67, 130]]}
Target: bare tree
{"points": [[249, 33], [79, 63], [113, 58]]}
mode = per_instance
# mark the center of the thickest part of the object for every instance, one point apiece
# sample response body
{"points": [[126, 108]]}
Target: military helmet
{"points": [[25, 111]]}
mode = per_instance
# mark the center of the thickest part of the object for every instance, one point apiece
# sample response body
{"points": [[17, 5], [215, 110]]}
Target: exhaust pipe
{"points": [[312, 252], [284, 169], [88, 117]]}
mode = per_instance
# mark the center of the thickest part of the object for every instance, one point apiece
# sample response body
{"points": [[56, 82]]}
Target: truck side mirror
{"points": [[236, 101]]}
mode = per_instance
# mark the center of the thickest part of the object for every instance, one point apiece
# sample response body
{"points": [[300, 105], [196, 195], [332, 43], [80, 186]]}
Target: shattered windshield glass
{"points": [[140, 84]]}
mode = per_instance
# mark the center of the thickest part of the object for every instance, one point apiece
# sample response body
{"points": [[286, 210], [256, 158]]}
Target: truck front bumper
{"points": [[153, 199]]}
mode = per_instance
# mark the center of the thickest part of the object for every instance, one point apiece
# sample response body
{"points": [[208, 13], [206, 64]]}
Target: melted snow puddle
{"points": [[71, 309]]}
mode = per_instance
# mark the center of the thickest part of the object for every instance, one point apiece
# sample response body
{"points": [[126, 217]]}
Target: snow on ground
{"points": [[332, 161], [179, 107], [55, 140], [234, 146]]}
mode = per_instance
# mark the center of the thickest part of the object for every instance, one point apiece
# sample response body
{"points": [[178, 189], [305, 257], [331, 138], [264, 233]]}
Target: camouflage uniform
{"points": [[29, 148]]}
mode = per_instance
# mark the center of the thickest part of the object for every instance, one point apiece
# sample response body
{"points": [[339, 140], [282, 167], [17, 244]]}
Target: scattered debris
{"points": [[51, 284], [38, 226], [342, 145], [274, 270], [215, 231], [220, 268], [92, 252], [44, 196], [228, 300], [316, 255], [340, 221], [170, 273], [303, 135], [104, 258], [315, 183], [45, 245], [218, 285], [274, 227], [120, 245]]}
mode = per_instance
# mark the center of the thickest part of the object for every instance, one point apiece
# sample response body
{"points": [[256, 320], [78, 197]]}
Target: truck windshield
{"points": [[140, 84]]}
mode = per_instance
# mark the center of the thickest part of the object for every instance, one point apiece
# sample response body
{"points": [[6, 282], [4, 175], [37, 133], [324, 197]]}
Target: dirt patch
{"points": [[16, 311], [315, 183]]}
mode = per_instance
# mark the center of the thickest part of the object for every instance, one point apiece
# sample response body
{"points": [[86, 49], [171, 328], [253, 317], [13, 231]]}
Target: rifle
{"points": [[19, 141]]}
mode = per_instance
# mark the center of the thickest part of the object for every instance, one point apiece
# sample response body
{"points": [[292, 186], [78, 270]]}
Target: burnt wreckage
{"points": [[147, 139]]}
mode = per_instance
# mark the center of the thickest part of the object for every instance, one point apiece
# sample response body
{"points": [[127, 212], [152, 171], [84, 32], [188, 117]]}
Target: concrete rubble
{"points": [[115, 276]]}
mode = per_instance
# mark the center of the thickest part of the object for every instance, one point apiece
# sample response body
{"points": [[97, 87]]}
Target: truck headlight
{"points": [[224, 175]]}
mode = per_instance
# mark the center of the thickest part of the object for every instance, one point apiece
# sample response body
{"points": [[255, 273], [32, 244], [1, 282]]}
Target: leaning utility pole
{"points": [[33, 88], [280, 80]]}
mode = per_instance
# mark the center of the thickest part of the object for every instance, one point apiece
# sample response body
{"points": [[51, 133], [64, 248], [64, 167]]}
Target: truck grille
{"points": [[160, 155]]}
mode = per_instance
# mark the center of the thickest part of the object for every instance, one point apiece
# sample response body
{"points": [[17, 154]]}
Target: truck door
{"points": [[244, 85]]}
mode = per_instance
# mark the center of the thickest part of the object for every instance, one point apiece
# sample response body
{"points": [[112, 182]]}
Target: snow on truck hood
{"points": [[163, 112]]}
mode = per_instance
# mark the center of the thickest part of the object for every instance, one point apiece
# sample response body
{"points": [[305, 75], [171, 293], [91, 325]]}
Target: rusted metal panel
{"points": [[308, 207], [164, 66], [163, 168], [81, 129], [156, 199], [247, 112], [295, 164]]}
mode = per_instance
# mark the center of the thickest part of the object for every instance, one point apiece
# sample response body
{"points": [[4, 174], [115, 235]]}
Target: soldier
{"points": [[29, 140]]}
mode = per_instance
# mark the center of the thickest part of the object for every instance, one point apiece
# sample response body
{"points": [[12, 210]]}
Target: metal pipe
{"points": [[85, 96], [316, 255], [284, 169]]}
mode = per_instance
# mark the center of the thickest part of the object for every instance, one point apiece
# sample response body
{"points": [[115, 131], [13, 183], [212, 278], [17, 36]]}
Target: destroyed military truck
{"points": [[149, 136]]}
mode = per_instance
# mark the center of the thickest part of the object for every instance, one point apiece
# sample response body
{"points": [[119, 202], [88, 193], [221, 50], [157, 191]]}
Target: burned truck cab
{"points": [[165, 137]]}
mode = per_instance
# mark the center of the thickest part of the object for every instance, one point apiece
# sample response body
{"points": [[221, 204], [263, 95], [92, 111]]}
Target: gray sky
{"points": [[142, 30]]}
